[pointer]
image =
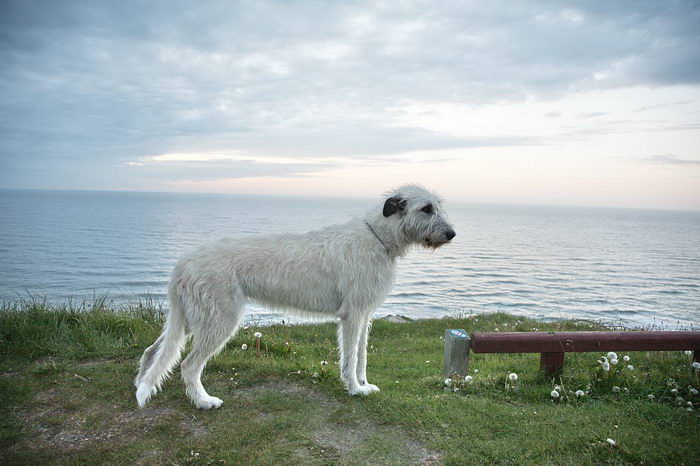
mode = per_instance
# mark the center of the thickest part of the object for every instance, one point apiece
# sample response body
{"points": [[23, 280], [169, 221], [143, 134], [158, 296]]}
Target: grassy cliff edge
{"points": [[67, 397]]}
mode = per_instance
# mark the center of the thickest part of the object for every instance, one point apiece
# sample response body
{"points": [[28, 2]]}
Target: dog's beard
{"points": [[430, 244]]}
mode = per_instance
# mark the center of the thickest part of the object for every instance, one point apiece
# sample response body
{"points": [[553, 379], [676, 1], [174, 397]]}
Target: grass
{"points": [[67, 398]]}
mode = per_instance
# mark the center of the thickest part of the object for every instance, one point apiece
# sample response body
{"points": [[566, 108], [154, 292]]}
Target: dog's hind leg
{"points": [[209, 337]]}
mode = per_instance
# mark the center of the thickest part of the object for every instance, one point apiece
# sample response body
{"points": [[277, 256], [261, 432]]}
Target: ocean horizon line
{"points": [[456, 202]]}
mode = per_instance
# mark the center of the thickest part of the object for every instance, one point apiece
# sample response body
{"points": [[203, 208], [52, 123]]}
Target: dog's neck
{"points": [[388, 251], [385, 236]]}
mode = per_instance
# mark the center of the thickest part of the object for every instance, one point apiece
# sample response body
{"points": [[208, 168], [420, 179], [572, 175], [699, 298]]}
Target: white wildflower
{"points": [[324, 363], [557, 388], [244, 347], [580, 393], [476, 371], [674, 391], [616, 389], [257, 335], [626, 358], [690, 403], [630, 367], [612, 355], [469, 379], [611, 442], [554, 394], [448, 382], [696, 366], [693, 391], [513, 376], [688, 353], [650, 396]]}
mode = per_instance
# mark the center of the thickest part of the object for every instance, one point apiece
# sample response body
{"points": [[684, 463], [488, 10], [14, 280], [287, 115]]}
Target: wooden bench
{"points": [[553, 345]]}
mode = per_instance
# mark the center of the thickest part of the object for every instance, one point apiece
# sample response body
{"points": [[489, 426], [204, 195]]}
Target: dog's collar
{"points": [[378, 238]]}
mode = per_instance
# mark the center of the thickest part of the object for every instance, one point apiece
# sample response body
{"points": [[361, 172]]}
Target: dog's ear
{"points": [[393, 205]]}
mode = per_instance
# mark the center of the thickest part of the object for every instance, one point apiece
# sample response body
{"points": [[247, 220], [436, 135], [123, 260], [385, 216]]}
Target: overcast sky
{"points": [[588, 103]]}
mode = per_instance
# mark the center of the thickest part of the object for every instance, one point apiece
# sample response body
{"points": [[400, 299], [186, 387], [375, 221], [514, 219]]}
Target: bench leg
{"points": [[552, 363]]}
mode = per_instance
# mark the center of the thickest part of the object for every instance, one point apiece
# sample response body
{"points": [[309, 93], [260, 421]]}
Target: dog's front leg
{"points": [[362, 354], [350, 331]]}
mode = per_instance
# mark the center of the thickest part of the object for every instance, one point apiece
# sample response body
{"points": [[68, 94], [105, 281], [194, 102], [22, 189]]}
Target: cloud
{"points": [[672, 160], [93, 85], [663, 105]]}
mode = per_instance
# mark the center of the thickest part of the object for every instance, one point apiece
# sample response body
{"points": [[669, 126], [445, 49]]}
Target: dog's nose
{"points": [[450, 234]]}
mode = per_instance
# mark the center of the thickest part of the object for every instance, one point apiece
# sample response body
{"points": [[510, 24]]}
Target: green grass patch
{"points": [[66, 384]]}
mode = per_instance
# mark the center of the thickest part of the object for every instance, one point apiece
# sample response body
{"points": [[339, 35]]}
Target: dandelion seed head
{"points": [[616, 389], [626, 358], [611, 442], [513, 376], [257, 335], [554, 394], [630, 367], [693, 391], [613, 361], [448, 382], [688, 353], [469, 379], [244, 347], [674, 391], [696, 366], [650, 396], [580, 393], [612, 355], [606, 366]]}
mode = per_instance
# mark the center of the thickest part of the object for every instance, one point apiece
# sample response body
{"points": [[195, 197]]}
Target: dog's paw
{"points": [[373, 388], [210, 402], [365, 389]]}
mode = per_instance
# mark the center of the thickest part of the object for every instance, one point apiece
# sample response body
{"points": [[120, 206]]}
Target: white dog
{"points": [[345, 271]]}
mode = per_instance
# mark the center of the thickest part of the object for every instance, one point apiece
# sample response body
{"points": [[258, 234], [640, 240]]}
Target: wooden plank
{"points": [[456, 352], [552, 363], [557, 342]]}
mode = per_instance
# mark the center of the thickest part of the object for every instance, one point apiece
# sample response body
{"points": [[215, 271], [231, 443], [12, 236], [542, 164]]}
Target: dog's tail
{"points": [[159, 359]]}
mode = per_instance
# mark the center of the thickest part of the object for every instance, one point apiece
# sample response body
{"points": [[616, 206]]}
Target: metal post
{"points": [[457, 342]]}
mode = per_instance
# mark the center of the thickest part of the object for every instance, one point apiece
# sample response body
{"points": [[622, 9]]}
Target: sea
{"points": [[630, 267]]}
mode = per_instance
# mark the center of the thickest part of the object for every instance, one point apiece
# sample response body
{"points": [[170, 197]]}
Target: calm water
{"points": [[615, 265]]}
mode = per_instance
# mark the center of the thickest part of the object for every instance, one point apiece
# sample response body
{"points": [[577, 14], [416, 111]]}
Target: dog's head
{"points": [[418, 216]]}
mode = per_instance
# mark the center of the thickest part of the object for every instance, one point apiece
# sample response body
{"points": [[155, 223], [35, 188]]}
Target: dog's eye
{"points": [[428, 209]]}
